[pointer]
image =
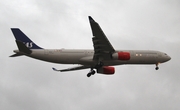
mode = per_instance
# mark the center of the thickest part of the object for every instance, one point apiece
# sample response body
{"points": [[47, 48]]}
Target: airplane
{"points": [[99, 60]]}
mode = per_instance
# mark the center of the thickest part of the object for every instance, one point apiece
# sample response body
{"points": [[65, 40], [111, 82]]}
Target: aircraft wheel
{"points": [[89, 74], [93, 72], [157, 68]]}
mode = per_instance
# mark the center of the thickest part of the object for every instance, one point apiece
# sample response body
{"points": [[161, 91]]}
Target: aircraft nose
{"points": [[169, 58]]}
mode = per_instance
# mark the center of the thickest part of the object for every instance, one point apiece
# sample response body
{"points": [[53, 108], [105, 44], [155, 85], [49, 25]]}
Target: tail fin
{"points": [[20, 36]]}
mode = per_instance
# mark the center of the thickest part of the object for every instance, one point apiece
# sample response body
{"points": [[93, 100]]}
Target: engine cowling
{"points": [[107, 70], [121, 56]]}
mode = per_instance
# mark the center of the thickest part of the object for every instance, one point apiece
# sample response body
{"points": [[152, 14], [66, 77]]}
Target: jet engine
{"points": [[121, 56], [107, 70]]}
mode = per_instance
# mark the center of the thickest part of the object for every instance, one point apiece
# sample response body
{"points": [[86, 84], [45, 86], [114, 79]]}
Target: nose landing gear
{"points": [[157, 66]]}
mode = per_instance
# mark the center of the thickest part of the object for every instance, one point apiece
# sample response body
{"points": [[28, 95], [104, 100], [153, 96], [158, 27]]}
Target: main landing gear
{"points": [[92, 72], [157, 66]]}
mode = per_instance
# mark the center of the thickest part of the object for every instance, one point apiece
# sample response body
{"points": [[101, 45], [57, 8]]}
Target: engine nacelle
{"points": [[107, 70], [121, 56]]}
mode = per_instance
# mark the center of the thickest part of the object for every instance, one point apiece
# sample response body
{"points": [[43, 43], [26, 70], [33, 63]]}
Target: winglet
{"points": [[91, 19]]}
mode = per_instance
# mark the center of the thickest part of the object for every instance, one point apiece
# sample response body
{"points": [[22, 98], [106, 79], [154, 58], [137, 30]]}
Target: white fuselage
{"points": [[85, 57]]}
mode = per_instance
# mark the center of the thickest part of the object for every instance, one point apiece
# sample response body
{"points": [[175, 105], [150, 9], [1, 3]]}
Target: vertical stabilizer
{"points": [[20, 36]]}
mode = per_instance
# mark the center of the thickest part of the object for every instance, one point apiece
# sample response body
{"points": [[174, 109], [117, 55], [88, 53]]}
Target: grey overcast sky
{"points": [[29, 84]]}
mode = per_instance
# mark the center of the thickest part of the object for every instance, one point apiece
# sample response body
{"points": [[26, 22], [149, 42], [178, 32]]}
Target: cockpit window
{"points": [[165, 54]]}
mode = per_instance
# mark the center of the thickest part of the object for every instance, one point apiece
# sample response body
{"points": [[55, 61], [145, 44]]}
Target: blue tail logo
{"points": [[20, 36]]}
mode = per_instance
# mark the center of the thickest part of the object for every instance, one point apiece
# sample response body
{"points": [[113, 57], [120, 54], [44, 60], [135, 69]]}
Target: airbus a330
{"points": [[99, 60]]}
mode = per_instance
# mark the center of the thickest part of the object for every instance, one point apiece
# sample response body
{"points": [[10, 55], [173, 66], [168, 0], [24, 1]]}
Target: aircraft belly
{"points": [[88, 60], [68, 58]]}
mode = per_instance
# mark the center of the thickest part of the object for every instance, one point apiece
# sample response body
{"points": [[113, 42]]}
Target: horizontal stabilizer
{"points": [[16, 55], [22, 47]]}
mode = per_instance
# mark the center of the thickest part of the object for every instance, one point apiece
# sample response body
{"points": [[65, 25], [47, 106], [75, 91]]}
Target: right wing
{"points": [[73, 68], [102, 47]]}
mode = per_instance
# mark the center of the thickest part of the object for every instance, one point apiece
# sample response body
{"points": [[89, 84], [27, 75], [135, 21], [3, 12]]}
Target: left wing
{"points": [[73, 68], [102, 47]]}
